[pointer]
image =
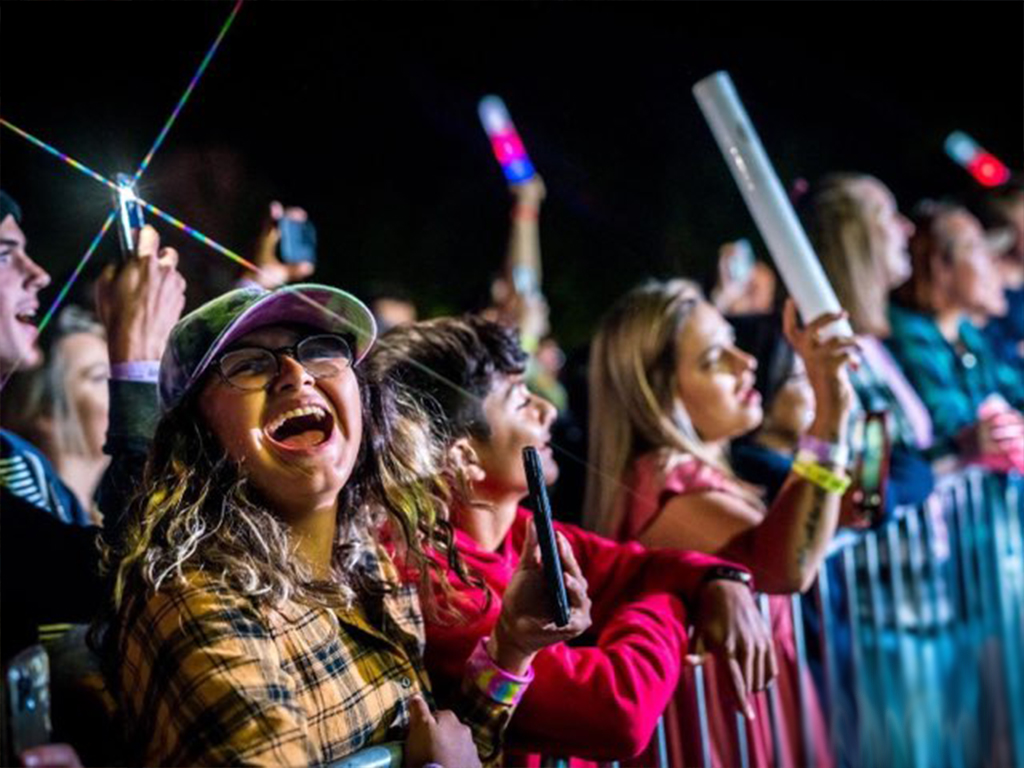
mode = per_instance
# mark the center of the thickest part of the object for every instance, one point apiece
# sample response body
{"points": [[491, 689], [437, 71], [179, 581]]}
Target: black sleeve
{"points": [[134, 413], [49, 572]]}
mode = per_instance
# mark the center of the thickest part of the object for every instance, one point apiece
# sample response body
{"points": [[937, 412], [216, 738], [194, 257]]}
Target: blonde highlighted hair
{"points": [[634, 403], [837, 217], [197, 512]]}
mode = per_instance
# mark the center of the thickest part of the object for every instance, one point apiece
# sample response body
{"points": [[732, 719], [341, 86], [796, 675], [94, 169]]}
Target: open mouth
{"points": [[27, 316], [305, 427]]}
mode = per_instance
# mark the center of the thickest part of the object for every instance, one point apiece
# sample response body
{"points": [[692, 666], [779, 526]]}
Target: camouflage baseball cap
{"points": [[199, 337]]}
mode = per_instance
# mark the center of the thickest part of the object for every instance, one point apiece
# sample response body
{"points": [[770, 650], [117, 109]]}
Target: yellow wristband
{"points": [[821, 476]]}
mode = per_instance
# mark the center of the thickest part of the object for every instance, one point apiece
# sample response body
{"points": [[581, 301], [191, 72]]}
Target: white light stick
{"points": [[767, 200]]}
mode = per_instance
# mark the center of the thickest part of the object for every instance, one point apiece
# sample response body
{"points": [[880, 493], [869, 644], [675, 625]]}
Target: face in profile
{"points": [[975, 283], [21, 279], [792, 408], [86, 367], [716, 378], [298, 439], [517, 418], [889, 230]]}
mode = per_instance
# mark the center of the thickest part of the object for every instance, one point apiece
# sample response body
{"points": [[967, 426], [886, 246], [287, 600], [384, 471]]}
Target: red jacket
{"points": [[601, 700]]}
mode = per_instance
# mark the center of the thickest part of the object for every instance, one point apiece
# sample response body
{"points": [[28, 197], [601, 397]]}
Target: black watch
{"points": [[728, 573]]}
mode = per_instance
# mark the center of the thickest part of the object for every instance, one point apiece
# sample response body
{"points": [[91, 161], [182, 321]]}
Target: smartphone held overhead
{"points": [[298, 240], [129, 214]]}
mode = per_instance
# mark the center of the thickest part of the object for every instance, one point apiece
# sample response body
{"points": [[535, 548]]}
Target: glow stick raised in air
{"points": [[505, 142], [985, 167], [767, 200]]}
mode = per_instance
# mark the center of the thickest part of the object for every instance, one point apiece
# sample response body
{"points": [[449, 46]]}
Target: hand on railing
{"points": [[999, 436], [730, 626], [438, 738]]}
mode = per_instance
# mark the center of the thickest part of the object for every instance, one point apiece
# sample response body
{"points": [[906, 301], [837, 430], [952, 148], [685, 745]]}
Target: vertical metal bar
{"points": [[702, 716], [905, 672], [662, 744], [822, 593], [883, 683], [865, 739], [772, 694], [803, 695], [1007, 564], [741, 740]]}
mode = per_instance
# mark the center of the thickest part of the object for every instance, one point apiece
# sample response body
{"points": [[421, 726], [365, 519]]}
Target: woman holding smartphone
{"points": [[257, 617]]}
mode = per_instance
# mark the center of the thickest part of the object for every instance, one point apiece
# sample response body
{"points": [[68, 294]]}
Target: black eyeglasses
{"points": [[255, 368]]}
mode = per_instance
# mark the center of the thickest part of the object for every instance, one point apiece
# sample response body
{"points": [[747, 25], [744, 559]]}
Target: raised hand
{"points": [[139, 301], [273, 272]]}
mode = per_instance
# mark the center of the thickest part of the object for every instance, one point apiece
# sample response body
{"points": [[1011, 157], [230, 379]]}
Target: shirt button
{"points": [[406, 682]]}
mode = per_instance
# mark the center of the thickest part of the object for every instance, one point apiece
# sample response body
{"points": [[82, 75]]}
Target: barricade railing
{"points": [[917, 628]]}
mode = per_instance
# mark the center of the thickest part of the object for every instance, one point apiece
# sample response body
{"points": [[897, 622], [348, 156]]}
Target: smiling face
{"points": [[298, 440], [516, 418], [86, 373], [21, 279], [889, 229], [975, 285], [716, 378]]}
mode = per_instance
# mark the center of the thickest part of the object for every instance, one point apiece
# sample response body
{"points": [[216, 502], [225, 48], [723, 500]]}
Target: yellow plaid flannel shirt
{"points": [[206, 678]]}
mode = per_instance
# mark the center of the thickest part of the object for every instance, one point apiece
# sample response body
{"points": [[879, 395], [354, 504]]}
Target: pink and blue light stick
{"points": [[505, 142]]}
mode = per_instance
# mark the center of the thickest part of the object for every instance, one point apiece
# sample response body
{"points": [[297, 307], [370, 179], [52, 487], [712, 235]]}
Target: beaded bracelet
{"points": [[497, 684], [822, 477], [837, 454]]}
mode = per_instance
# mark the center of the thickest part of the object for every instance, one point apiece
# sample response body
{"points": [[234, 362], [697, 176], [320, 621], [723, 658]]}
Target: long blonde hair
{"points": [[634, 402], [837, 217]]}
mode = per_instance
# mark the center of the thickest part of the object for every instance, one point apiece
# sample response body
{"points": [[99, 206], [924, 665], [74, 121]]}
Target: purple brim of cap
{"points": [[317, 306]]}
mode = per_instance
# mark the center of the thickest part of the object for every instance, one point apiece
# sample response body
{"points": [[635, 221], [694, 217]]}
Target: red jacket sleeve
{"points": [[603, 702], [617, 571]]}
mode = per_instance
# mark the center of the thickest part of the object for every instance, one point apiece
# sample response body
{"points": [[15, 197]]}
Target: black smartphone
{"points": [[129, 214], [546, 536], [298, 241], [27, 680]]}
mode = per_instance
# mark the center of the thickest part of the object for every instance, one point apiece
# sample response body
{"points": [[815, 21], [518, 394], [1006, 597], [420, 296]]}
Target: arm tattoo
{"points": [[811, 524]]}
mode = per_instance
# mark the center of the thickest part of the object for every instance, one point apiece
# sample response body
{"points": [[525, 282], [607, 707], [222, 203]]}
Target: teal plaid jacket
{"points": [[952, 381]]}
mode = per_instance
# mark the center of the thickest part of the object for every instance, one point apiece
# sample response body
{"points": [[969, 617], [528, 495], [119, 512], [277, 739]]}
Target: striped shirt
{"points": [[26, 473]]}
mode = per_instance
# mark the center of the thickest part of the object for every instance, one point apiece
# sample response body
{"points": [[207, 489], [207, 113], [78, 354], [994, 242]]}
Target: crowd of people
{"points": [[289, 525]]}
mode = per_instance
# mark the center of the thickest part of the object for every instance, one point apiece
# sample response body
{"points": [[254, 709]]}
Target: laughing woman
{"points": [[257, 618]]}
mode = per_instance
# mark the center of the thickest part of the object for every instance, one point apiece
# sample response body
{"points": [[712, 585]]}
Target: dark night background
{"points": [[366, 115]]}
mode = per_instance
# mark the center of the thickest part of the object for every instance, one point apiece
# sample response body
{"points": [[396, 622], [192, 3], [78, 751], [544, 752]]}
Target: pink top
{"points": [[653, 480]]}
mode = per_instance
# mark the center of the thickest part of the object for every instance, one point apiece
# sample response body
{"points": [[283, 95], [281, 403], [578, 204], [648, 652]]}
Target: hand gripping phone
{"points": [[298, 241], [27, 700], [129, 214], [546, 536], [741, 266]]}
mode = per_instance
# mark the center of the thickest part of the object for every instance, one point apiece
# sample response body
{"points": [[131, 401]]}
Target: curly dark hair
{"points": [[450, 365], [197, 510]]}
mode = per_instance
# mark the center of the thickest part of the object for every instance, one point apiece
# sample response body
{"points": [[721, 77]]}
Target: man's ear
{"points": [[464, 458]]}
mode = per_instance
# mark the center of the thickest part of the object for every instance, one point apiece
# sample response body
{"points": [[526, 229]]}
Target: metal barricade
{"points": [[920, 639], [922, 655]]}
